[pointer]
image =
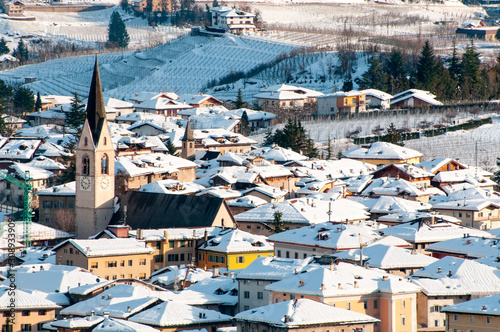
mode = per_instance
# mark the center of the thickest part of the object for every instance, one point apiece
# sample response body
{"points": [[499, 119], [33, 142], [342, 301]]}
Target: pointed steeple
{"points": [[96, 110], [188, 134]]}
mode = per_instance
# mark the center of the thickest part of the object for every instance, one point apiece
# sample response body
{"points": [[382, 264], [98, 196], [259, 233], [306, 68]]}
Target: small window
{"points": [[142, 261], [105, 141], [130, 262], [375, 304], [94, 265], [455, 317], [158, 244], [260, 296], [241, 259], [86, 141], [171, 244], [104, 164], [246, 294], [365, 304], [403, 320], [25, 313], [85, 165], [278, 253], [471, 318]]}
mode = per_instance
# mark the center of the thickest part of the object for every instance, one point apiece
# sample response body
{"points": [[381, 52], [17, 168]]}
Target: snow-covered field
{"points": [[85, 28], [184, 65]]}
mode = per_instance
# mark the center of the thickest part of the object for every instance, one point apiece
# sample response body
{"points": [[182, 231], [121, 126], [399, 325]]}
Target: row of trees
{"points": [[455, 78]]}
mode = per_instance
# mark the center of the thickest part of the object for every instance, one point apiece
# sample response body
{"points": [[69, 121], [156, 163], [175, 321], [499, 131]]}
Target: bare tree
{"points": [[64, 220]]}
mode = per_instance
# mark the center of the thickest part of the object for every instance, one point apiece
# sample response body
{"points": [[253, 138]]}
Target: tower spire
{"points": [[188, 134], [96, 110]]}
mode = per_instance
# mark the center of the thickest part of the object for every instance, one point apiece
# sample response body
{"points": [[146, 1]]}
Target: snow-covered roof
{"points": [[50, 278], [172, 187], [291, 88], [108, 247], [77, 322], [46, 163], [235, 240], [352, 93], [66, 189], [456, 276], [153, 163], [121, 325], [382, 150], [421, 232], [161, 104], [23, 300], [327, 235], [141, 116], [390, 204], [22, 149], [224, 288], [195, 99], [387, 257], [469, 247], [170, 313], [425, 96], [324, 282], [273, 268], [306, 211], [36, 173], [171, 274], [467, 205], [176, 233], [377, 94], [246, 201], [120, 301], [37, 232], [435, 164], [488, 305], [303, 312]]}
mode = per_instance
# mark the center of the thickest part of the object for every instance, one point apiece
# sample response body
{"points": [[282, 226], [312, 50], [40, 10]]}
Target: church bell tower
{"points": [[95, 166]]}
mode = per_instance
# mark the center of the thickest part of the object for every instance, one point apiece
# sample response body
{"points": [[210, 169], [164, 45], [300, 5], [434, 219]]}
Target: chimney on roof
{"points": [[339, 286], [165, 235], [128, 308], [484, 307], [439, 269], [301, 283], [322, 287], [355, 284], [139, 234], [109, 297], [287, 319], [194, 232], [332, 266], [385, 278], [205, 237], [215, 273], [450, 273]]}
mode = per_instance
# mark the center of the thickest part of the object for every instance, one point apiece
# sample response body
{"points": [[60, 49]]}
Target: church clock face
{"points": [[104, 183], [85, 183]]}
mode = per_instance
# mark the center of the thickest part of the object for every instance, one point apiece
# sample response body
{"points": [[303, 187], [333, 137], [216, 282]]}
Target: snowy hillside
{"points": [[184, 65]]}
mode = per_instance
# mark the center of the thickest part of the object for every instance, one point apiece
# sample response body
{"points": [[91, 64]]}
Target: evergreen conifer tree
{"points": [[454, 63], [292, 136], [4, 49], [38, 102], [393, 135], [470, 72], [75, 118], [426, 69], [245, 124], [375, 77], [239, 103], [24, 100], [171, 148], [21, 52], [117, 31], [395, 67]]}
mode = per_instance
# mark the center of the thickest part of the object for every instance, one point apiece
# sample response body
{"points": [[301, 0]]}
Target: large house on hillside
{"points": [[231, 20]]}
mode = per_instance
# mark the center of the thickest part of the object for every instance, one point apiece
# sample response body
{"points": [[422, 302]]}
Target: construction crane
{"points": [[27, 187]]}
